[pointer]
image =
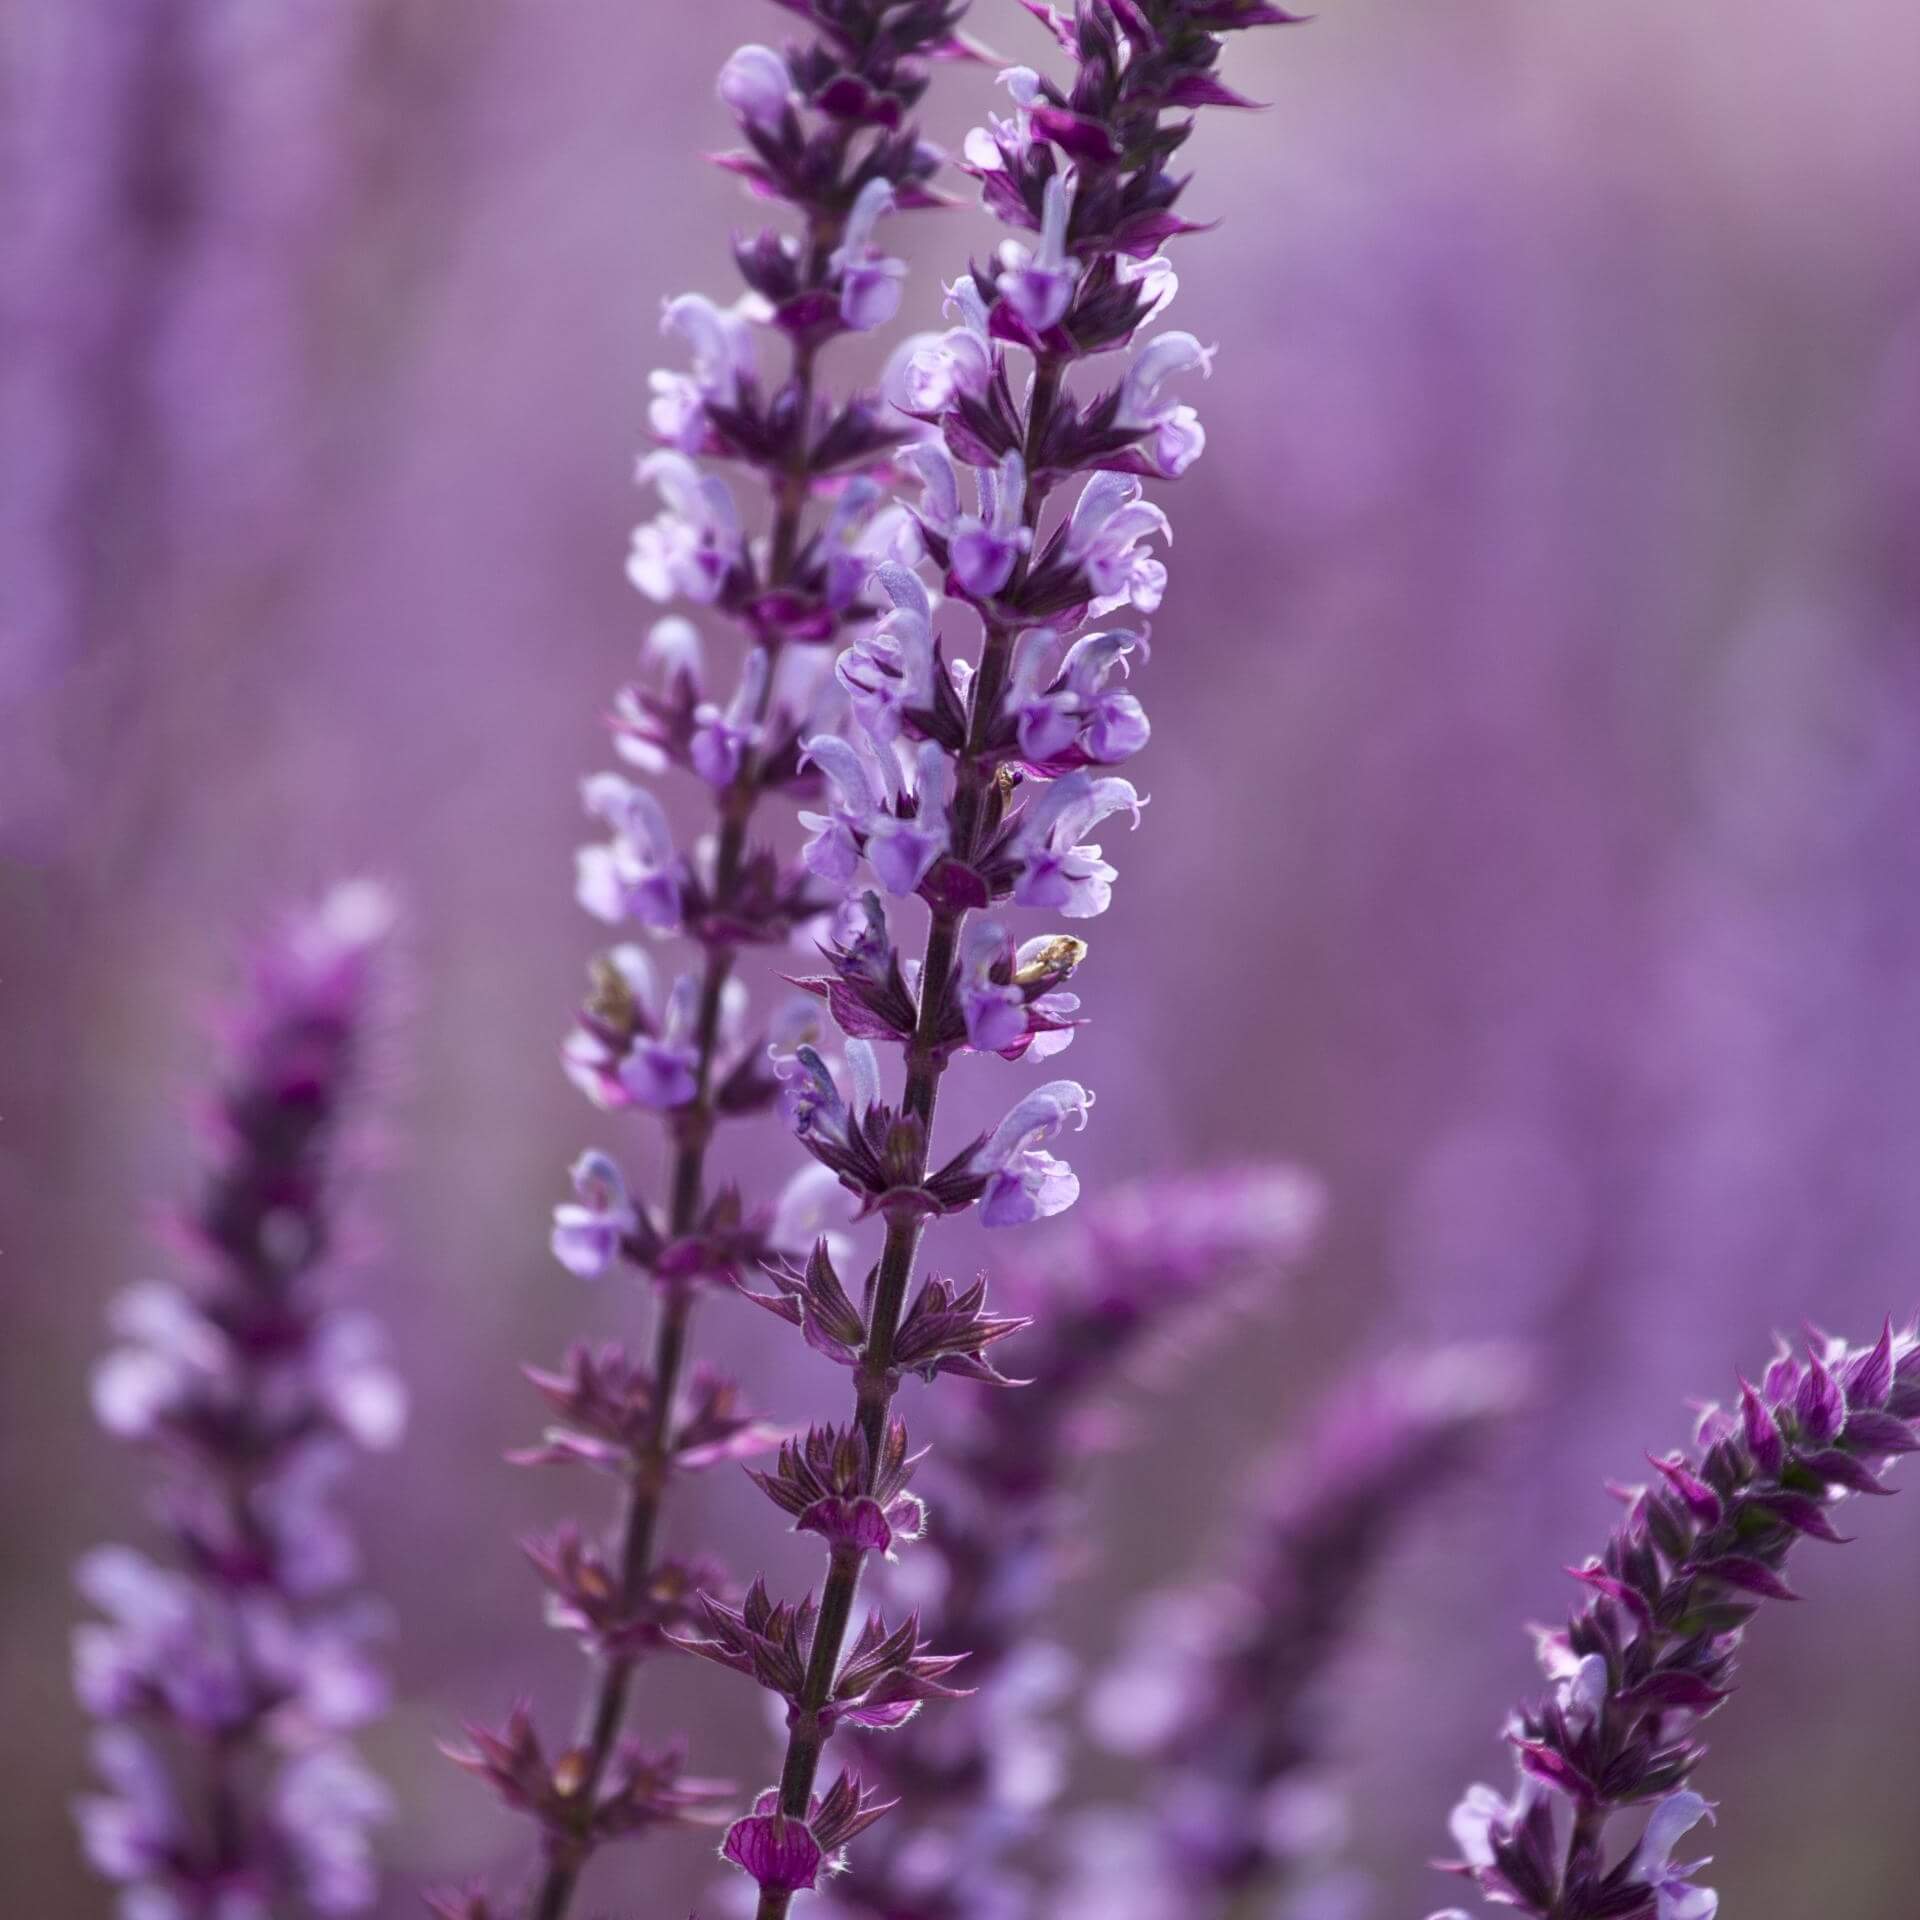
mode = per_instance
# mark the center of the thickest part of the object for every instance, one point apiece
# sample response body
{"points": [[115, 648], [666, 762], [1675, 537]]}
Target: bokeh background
{"points": [[1535, 847]]}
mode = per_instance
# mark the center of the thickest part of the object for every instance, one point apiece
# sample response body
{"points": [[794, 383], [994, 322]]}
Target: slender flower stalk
{"points": [[826, 128], [974, 1782], [1224, 1688], [1651, 1652], [972, 785], [228, 1678]]}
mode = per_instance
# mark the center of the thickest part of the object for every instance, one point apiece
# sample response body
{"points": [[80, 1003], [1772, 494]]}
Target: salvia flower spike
{"points": [[1650, 1653], [1224, 1688], [667, 1031], [228, 1678], [976, 786]]}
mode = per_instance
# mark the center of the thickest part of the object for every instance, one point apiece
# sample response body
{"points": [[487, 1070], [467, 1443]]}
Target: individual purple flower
{"points": [[1651, 1652], [985, 547], [695, 544], [661, 1072], [723, 363], [785, 1854], [1038, 282], [869, 279], [635, 875], [779, 1855], [888, 672], [1066, 712], [588, 1231], [1675, 1895], [628, 1049], [325, 1802], [900, 827], [721, 739], [1024, 1181], [256, 1391], [1059, 872], [133, 1833], [1009, 995], [989, 148], [942, 369], [1103, 538], [756, 85], [1178, 439]]}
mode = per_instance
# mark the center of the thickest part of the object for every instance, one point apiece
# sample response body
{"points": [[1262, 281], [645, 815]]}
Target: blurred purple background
{"points": [[1535, 847]]}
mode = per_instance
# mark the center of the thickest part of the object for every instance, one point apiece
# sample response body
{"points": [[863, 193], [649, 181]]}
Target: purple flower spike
{"points": [[757, 724], [953, 754], [256, 1390], [1651, 1652], [1221, 1688]]}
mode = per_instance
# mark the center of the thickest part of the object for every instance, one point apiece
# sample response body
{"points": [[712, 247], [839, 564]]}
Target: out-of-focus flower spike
{"points": [[245, 1656]]}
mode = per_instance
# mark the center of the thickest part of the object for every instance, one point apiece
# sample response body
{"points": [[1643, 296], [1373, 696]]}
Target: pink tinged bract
{"points": [[779, 1854]]}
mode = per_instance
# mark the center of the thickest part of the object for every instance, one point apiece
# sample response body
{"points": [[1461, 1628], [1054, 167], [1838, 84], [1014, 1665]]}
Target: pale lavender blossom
{"points": [[1104, 535], [870, 280], [634, 875], [1038, 282], [1024, 1181], [695, 545], [588, 1231], [755, 83]]}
